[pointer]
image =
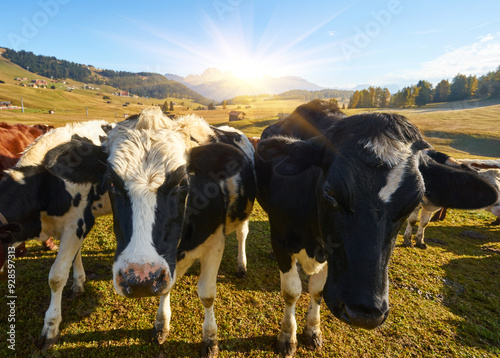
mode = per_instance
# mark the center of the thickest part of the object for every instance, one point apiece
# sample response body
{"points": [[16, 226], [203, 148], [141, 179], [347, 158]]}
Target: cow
{"points": [[14, 138], [44, 204], [177, 187], [337, 190], [428, 210]]}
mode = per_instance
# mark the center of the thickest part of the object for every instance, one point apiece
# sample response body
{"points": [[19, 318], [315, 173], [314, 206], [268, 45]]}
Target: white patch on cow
{"points": [[33, 155], [393, 181], [16, 175], [244, 143], [492, 176], [388, 150], [309, 264]]}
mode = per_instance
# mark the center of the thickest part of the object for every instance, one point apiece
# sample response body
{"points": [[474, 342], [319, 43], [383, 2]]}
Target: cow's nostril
{"points": [[364, 317]]}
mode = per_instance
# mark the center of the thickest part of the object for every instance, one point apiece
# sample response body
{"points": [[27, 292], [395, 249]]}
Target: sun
{"points": [[250, 70]]}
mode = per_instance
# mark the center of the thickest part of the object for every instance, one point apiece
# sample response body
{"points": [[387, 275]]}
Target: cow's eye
{"points": [[329, 196], [183, 184]]}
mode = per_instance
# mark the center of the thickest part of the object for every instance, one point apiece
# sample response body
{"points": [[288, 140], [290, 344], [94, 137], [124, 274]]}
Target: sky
{"points": [[334, 44]]}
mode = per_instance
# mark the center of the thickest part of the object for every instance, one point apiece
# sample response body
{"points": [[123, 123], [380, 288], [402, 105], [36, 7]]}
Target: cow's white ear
{"points": [[77, 161], [218, 161], [289, 156]]}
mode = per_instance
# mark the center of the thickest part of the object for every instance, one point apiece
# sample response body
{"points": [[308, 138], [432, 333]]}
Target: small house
{"points": [[5, 104], [236, 116]]}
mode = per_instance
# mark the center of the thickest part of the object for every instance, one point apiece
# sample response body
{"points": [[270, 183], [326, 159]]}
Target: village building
{"points": [[236, 116], [5, 104], [40, 82]]}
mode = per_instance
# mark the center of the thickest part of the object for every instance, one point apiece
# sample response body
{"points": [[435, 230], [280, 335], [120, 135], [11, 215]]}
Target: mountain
{"points": [[213, 83]]}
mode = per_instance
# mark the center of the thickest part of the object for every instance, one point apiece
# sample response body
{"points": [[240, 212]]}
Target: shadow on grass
{"points": [[471, 291], [484, 146], [170, 348]]}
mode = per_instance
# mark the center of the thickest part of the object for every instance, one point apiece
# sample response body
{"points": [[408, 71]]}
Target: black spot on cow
{"points": [[79, 229], [77, 199]]}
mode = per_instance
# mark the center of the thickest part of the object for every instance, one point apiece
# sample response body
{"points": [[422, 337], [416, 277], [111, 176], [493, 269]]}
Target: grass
{"points": [[445, 302]]}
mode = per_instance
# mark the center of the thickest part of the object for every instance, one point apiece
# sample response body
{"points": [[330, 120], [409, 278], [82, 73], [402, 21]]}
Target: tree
{"points": [[458, 88], [333, 104], [171, 106], [164, 108], [472, 85], [354, 100], [224, 104], [211, 106], [424, 95], [442, 91], [385, 99]]}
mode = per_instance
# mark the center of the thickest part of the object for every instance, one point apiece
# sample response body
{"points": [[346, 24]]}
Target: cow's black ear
{"points": [[218, 161], [290, 157], [77, 161], [450, 187]]}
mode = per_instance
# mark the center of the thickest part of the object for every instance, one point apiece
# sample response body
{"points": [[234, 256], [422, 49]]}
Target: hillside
{"points": [[70, 99], [143, 84]]}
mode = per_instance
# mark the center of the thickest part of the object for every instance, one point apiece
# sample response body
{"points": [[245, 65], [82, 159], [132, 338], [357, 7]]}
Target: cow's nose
{"points": [[364, 317], [143, 280]]}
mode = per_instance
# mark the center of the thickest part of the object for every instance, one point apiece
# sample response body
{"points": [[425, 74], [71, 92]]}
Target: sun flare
{"points": [[249, 69]]}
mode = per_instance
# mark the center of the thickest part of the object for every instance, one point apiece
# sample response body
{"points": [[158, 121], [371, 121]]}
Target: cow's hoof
{"points": [[209, 349], [314, 339], [421, 246], [407, 243], [287, 349], [241, 273], [46, 343], [160, 336], [74, 294]]}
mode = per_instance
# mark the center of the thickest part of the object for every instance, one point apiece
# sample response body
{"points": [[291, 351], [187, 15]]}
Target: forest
{"points": [[460, 88]]}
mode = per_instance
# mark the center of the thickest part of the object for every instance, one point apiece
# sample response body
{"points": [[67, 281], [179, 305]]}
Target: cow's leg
{"points": [[291, 288], [425, 217], [210, 263], [162, 323], [412, 220], [58, 276], [313, 335], [78, 276], [241, 235]]}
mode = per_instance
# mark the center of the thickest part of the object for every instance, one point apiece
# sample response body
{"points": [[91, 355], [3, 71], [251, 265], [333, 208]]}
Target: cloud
{"points": [[477, 58], [332, 33]]}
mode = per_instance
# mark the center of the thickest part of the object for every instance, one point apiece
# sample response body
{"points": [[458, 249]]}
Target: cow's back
{"points": [[307, 121]]}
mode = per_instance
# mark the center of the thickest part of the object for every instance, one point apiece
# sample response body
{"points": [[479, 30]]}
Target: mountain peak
{"points": [[214, 83]]}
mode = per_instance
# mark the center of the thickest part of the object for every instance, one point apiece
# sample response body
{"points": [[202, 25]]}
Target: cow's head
{"points": [[372, 174], [150, 167]]}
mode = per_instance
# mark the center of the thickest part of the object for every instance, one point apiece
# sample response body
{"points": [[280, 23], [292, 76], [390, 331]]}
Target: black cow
{"points": [[337, 191], [177, 187], [44, 205]]}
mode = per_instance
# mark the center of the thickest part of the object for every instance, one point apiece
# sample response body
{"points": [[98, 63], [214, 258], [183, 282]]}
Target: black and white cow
{"points": [[44, 204], [177, 188], [427, 208], [337, 191]]}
